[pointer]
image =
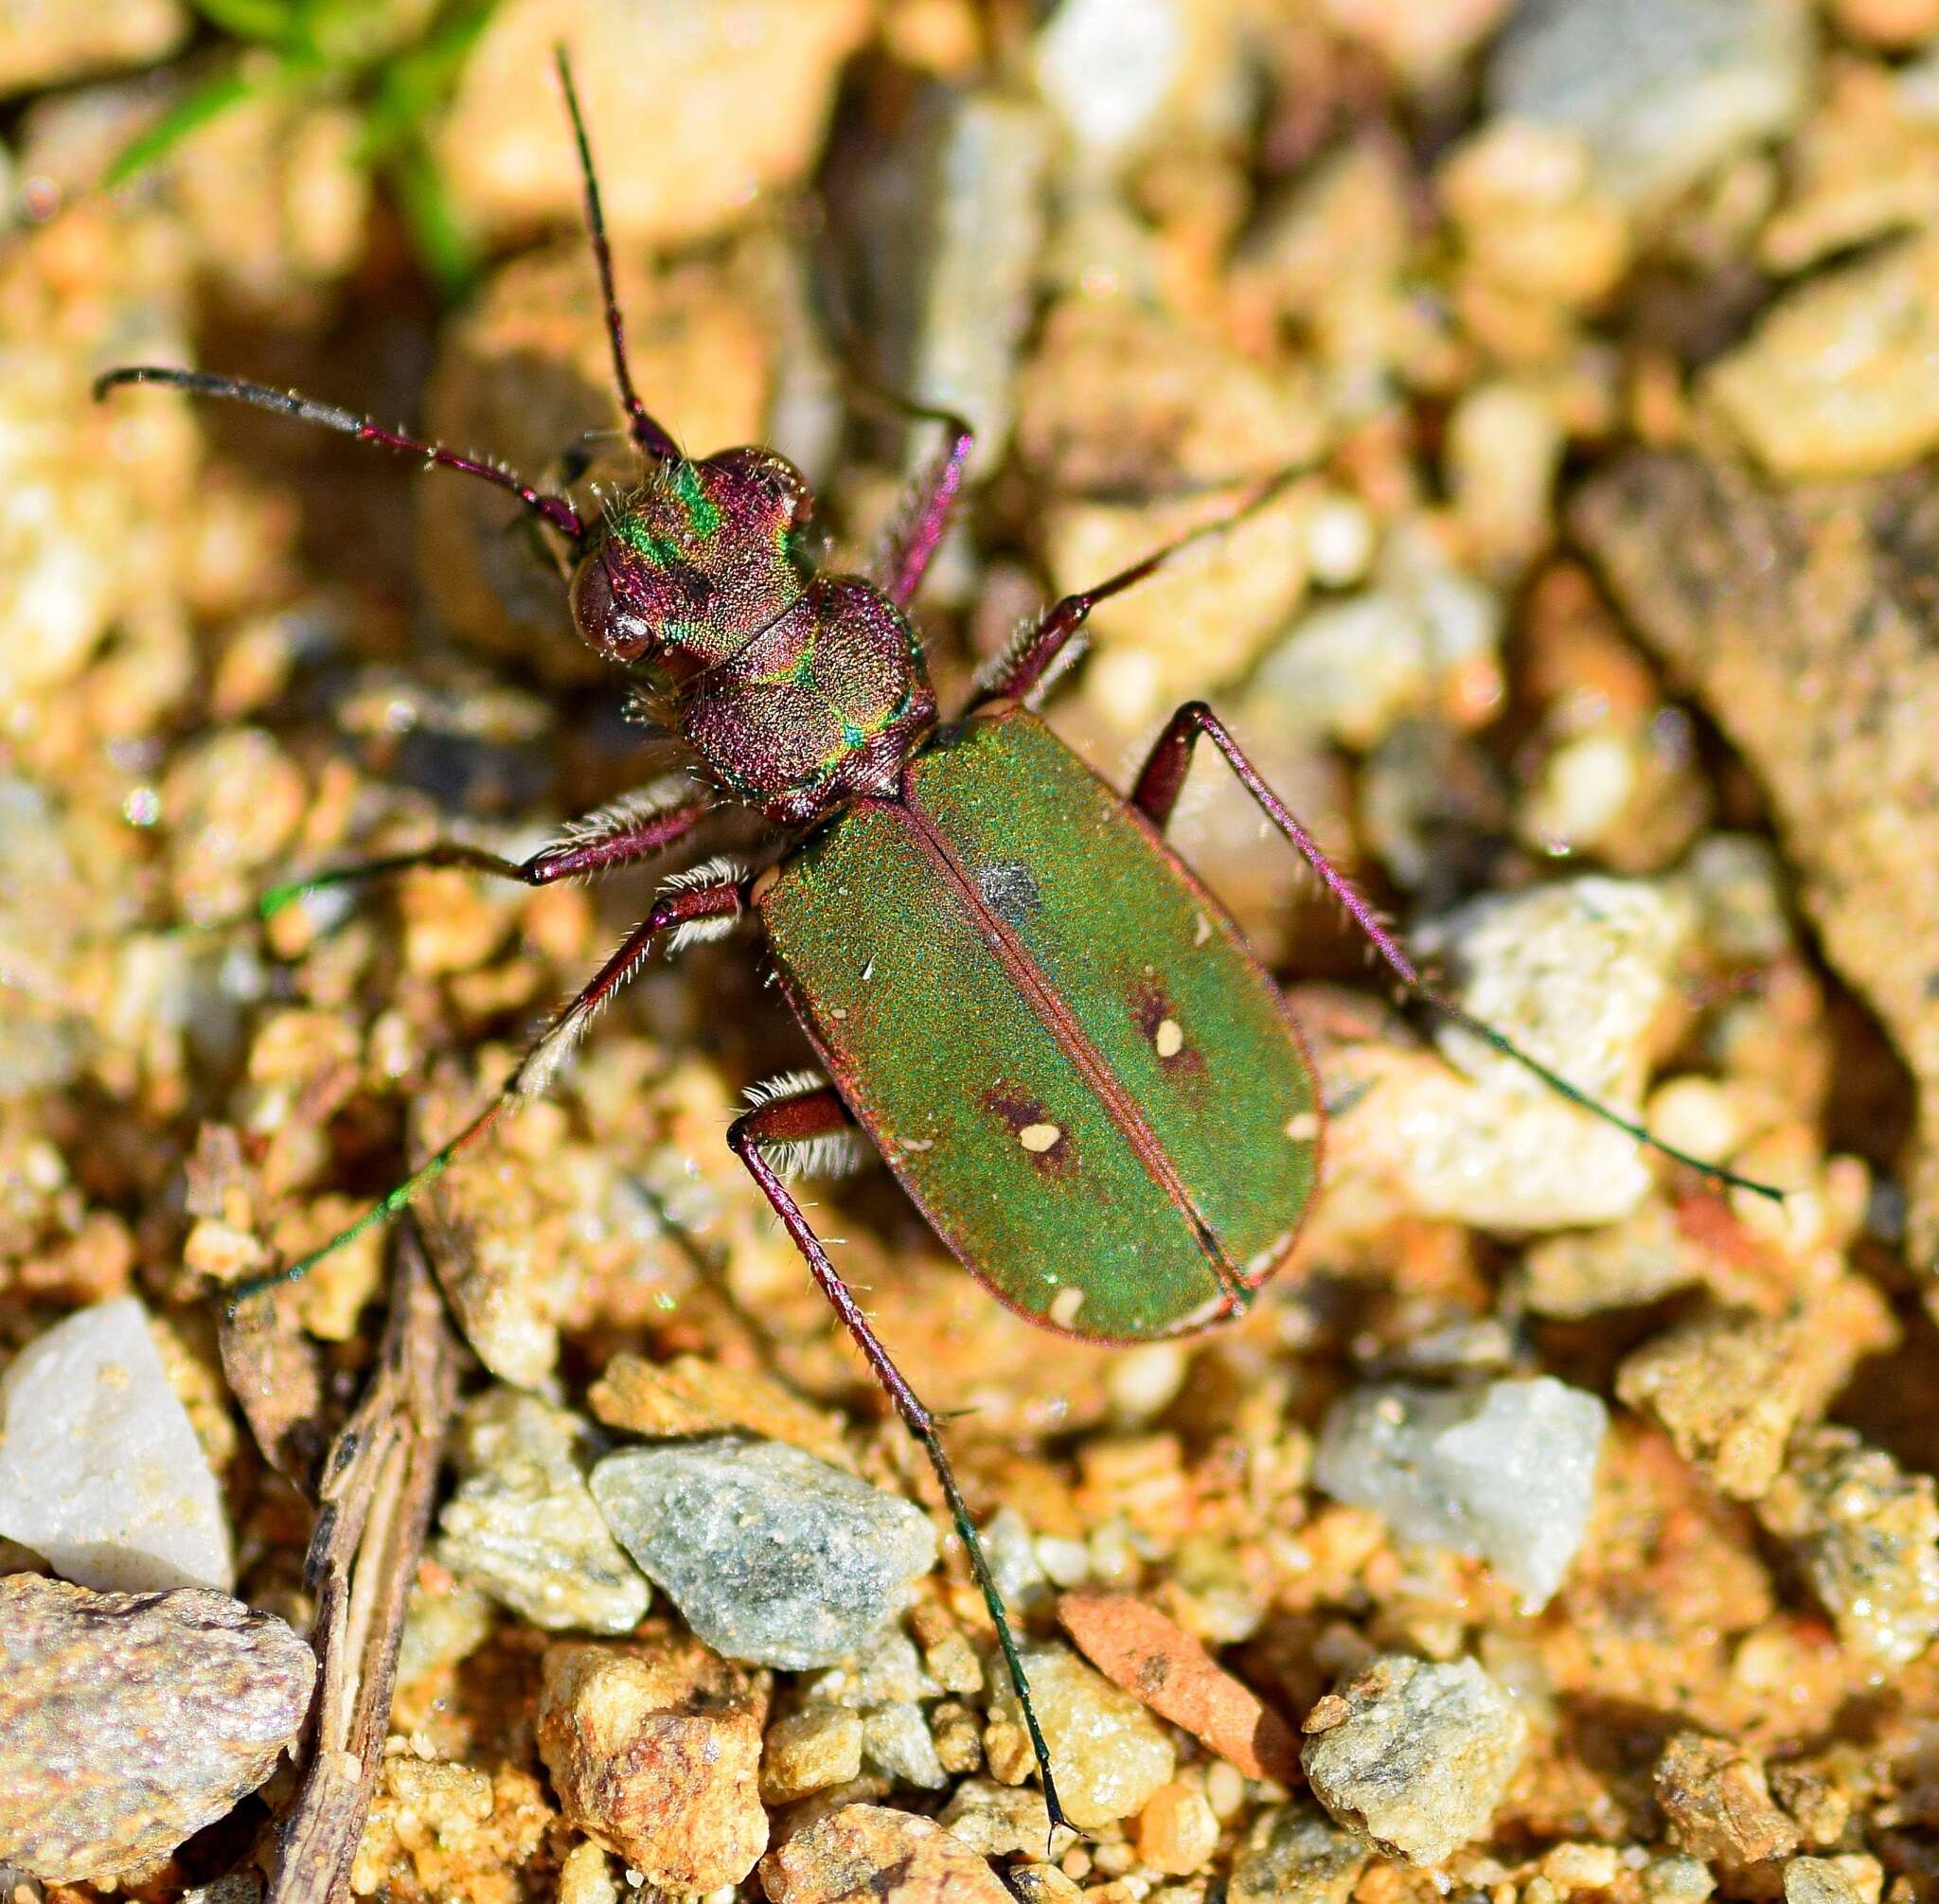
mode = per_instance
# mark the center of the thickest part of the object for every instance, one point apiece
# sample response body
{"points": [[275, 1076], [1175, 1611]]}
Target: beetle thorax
{"points": [[796, 691]]}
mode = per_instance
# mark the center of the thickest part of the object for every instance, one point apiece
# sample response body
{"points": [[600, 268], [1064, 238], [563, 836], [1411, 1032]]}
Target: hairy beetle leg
{"points": [[798, 1120], [1155, 794], [598, 843], [541, 1063]]}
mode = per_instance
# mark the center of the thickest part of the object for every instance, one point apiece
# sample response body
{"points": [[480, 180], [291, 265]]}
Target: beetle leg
{"points": [[677, 909], [1156, 794], [1047, 645], [798, 1120], [631, 829], [904, 557]]}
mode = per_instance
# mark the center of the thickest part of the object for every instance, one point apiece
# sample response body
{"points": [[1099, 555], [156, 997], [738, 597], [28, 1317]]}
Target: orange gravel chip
{"points": [[1155, 1660]]}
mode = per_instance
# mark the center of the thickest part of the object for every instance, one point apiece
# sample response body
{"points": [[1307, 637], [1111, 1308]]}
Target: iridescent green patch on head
{"points": [[688, 487]]}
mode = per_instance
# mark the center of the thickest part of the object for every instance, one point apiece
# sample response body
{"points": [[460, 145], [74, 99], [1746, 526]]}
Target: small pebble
{"points": [[1727, 1388], [100, 1470], [1157, 1660], [130, 1720], [1177, 1830], [1106, 1752], [585, 1875], [692, 1394], [666, 91], [1719, 1803], [896, 1741], [522, 1524], [1839, 377], [1417, 1753], [1109, 67], [885, 1856], [1351, 666], [884, 1669], [1663, 90], [1578, 973], [809, 1751], [1622, 1265], [1677, 1880], [1868, 1535], [772, 1555], [1507, 1471], [1001, 1821], [1893, 25], [1832, 1880], [1042, 1884], [655, 1753], [49, 45], [1296, 1854]]}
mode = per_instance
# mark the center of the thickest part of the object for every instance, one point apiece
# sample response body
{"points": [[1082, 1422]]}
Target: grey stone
{"points": [[1416, 1754], [1507, 1471], [895, 1740], [1296, 1855], [130, 1720], [1663, 90], [1868, 1536], [1829, 1880], [772, 1555], [100, 1470], [1108, 1754], [524, 1524]]}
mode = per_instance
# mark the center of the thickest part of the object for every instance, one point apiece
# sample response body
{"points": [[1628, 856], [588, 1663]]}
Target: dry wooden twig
{"points": [[375, 1495]]}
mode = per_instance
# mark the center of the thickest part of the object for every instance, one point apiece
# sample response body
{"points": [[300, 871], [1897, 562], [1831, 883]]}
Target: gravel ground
{"points": [[1558, 1522]]}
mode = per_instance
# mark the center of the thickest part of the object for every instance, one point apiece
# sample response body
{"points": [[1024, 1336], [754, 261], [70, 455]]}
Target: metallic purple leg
{"points": [[1155, 795], [691, 906], [618, 836], [821, 1113]]}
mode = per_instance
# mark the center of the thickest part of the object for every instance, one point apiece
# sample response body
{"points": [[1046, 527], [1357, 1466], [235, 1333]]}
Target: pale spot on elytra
{"points": [[1168, 1040], [1039, 1138], [1304, 1127], [1064, 1307]]}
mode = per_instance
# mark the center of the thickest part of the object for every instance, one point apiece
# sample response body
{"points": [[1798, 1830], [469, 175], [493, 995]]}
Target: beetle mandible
{"points": [[1144, 1137]]}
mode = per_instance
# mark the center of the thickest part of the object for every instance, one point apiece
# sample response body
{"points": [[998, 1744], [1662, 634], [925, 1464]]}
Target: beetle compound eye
{"points": [[604, 621]]}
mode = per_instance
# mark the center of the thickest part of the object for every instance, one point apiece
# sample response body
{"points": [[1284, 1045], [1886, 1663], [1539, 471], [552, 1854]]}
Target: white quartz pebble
{"points": [[100, 1470]]}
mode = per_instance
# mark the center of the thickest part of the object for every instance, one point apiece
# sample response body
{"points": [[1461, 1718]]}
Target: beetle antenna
{"points": [[650, 435], [554, 509]]}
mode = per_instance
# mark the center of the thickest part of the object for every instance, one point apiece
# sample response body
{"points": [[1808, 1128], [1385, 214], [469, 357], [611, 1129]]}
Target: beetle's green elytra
{"points": [[1053, 1035]]}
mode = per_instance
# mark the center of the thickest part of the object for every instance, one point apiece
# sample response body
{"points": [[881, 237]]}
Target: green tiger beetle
{"points": [[1016, 989]]}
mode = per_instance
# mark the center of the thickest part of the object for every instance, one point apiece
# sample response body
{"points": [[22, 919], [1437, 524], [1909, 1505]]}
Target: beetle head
{"points": [[691, 564]]}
